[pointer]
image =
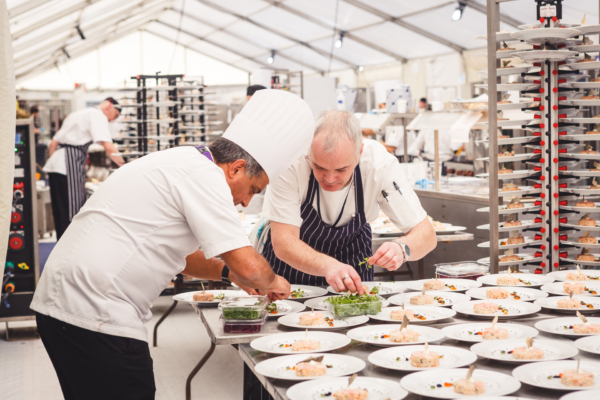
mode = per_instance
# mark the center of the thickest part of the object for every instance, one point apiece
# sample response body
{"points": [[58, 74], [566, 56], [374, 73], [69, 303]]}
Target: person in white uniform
{"points": [[424, 145], [320, 209], [143, 226], [68, 154]]}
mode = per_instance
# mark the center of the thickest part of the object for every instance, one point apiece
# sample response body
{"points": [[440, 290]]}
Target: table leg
{"points": [[188, 382], [162, 318], [422, 268]]}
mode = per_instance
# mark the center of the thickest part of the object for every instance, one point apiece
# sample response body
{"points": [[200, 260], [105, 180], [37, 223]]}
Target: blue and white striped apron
{"points": [[349, 244], [75, 158]]}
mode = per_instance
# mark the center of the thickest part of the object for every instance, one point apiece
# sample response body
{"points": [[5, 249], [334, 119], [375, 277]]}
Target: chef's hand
{"points": [[234, 279], [280, 289], [389, 256], [344, 278]]}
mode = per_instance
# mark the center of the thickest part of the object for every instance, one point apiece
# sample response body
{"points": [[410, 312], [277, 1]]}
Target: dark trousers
{"points": [[59, 194], [96, 366]]}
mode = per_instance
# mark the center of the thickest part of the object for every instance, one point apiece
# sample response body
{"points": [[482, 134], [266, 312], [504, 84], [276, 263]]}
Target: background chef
{"points": [[320, 209], [68, 154], [143, 226]]}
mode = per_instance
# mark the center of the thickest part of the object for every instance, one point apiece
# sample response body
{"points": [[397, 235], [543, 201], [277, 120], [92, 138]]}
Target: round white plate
{"points": [[527, 280], [509, 71], [545, 374], [580, 137], [575, 102], [518, 123], [529, 223], [594, 274], [584, 209], [189, 296], [385, 288], [503, 87], [538, 55], [468, 332], [585, 85], [557, 288], [585, 245], [379, 389], [393, 231], [373, 334], [319, 303], [503, 210], [501, 350], [452, 285], [563, 326], [515, 309], [519, 174], [551, 303], [276, 343], [591, 344], [285, 307], [547, 35], [283, 367], [293, 321], [524, 259], [423, 314], [587, 29], [513, 140], [574, 260], [585, 65], [309, 292], [581, 190], [514, 293], [573, 224], [523, 190], [441, 299], [582, 395], [431, 383], [518, 157], [398, 358], [528, 242]]}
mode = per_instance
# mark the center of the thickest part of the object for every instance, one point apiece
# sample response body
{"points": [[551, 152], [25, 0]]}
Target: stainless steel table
{"points": [[277, 388]]}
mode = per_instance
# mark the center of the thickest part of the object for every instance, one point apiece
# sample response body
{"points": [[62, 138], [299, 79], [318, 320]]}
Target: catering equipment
{"points": [[461, 270]]}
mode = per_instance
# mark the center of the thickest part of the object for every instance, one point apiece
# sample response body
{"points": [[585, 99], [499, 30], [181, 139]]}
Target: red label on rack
{"points": [[537, 133], [562, 185], [562, 150], [562, 203], [561, 63], [562, 133], [537, 99], [562, 255], [536, 220], [536, 47], [562, 116], [537, 116], [562, 237], [562, 81], [537, 82], [562, 220], [537, 186], [537, 64], [537, 203], [560, 46], [537, 168], [536, 151], [563, 168], [538, 237], [562, 98], [538, 254]]}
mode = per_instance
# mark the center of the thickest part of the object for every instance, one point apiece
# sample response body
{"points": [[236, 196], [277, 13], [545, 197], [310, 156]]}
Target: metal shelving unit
{"points": [[292, 81]]}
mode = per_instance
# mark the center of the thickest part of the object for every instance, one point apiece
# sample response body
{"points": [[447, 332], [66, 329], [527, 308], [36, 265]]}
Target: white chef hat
{"points": [[275, 127]]}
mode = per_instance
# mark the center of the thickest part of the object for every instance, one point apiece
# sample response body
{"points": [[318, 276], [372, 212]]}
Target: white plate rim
{"points": [[521, 371], [449, 330], [474, 295], [352, 334], [396, 390], [261, 367], [482, 347], [541, 325], [443, 310], [341, 338], [460, 308], [395, 300], [469, 356]]}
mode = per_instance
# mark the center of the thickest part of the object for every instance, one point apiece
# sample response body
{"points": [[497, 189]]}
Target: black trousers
{"points": [[59, 194], [96, 366]]}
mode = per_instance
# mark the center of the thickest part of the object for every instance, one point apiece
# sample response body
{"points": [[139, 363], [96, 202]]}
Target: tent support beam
{"points": [[25, 7]]}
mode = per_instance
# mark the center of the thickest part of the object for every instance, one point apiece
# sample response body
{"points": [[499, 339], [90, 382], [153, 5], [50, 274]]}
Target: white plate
{"points": [[524, 259], [503, 87], [583, 228], [590, 103], [561, 326], [271, 344], [536, 374], [398, 358], [501, 350], [503, 210], [585, 66], [528, 242], [528, 280], [189, 296], [514, 122], [393, 231], [584, 209], [515, 309], [551, 303], [500, 37], [588, 29], [513, 140], [581, 190], [421, 383], [586, 48], [583, 173], [585, 245], [594, 275], [585, 85], [282, 367], [369, 333], [459, 285], [379, 389], [538, 55], [591, 344], [448, 298], [546, 35], [292, 320], [285, 307], [518, 157], [524, 225], [502, 54], [557, 288], [582, 395], [319, 303], [514, 175], [309, 292], [581, 137], [431, 314], [525, 294], [467, 332], [385, 288], [509, 71], [575, 261]]}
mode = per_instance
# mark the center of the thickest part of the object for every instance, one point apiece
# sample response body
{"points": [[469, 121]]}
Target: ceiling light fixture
{"points": [[339, 42], [360, 68], [458, 12], [271, 57]]}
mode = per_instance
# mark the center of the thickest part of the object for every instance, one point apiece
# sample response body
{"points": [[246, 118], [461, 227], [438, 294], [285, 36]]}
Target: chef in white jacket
{"points": [[424, 145], [143, 226]]}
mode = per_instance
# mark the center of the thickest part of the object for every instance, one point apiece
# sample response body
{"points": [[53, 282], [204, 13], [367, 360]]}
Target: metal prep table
{"points": [[277, 387]]}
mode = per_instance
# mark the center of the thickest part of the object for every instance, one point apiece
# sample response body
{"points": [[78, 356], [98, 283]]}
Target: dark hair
{"points": [[225, 151], [423, 99], [253, 89], [34, 109], [114, 103]]}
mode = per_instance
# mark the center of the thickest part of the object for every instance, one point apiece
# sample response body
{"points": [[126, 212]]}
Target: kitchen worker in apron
{"points": [[142, 227], [68, 155], [320, 209]]}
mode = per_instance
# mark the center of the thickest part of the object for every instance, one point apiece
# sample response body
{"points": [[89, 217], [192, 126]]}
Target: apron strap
{"points": [[343, 205], [360, 198]]}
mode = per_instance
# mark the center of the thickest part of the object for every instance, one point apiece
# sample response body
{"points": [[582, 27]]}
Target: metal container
{"points": [[462, 270]]}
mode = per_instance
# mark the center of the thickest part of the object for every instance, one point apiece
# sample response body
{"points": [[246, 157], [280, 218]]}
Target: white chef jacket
{"points": [[131, 238], [80, 127], [378, 168], [425, 142]]}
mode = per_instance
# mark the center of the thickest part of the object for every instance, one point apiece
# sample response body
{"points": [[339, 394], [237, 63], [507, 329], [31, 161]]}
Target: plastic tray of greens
{"points": [[244, 308], [349, 305]]}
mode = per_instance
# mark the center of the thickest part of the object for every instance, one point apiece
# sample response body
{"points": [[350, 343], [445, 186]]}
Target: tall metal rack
{"points": [[292, 81]]}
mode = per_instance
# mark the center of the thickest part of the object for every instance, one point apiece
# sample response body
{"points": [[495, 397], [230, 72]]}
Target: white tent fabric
{"points": [[243, 33], [7, 129]]}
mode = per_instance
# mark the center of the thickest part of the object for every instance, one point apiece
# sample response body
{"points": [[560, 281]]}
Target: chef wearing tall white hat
{"points": [[145, 225]]}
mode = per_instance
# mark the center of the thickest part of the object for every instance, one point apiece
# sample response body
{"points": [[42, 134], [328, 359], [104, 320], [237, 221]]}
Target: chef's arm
{"points": [[290, 249], [53, 146], [111, 151], [420, 240]]}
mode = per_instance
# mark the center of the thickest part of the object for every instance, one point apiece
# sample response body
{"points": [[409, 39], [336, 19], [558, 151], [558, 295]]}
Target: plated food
{"points": [[376, 287], [570, 326], [587, 288], [415, 314], [560, 375], [576, 275], [304, 292], [500, 308], [306, 342], [214, 299], [284, 307], [523, 351], [324, 320], [479, 332], [338, 389], [506, 293], [523, 280], [421, 357], [432, 298], [449, 284], [393, 335], [299, 367]]}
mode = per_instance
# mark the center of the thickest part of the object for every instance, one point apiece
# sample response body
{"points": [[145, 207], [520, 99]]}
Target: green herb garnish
{"points": [[352, 304], [375, 290], [298, 293], [272, 308], [220, 297], [365, 261]]}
